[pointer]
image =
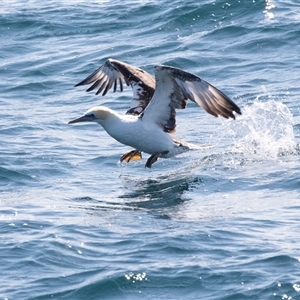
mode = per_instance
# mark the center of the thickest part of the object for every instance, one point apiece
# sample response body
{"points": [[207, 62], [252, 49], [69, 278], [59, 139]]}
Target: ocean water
{"points": [[222, 223]]}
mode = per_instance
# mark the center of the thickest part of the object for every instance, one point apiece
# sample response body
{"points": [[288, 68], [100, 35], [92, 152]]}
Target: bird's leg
{"points": [[132, 155], [153, 158]]}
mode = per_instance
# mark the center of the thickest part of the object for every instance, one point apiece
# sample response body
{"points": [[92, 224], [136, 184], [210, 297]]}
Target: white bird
{"points": [[149, 123]]}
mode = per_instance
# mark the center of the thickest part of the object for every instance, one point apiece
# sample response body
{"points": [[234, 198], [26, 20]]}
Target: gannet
{"points": [[149, 123]]}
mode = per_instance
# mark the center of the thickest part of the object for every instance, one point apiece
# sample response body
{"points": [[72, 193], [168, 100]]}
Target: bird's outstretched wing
{"points": [[113, 73], [173, 89]]}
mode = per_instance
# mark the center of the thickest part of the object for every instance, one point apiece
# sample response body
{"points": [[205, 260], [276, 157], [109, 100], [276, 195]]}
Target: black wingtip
{"points": [[90, 89], [238, 110], [80, 83]]}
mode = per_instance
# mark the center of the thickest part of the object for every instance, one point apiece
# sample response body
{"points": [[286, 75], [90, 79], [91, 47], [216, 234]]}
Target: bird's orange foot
{"points": [[132, 155]]}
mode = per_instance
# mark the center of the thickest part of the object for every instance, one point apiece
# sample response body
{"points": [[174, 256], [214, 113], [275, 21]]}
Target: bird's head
{"points": [[96, 114]]}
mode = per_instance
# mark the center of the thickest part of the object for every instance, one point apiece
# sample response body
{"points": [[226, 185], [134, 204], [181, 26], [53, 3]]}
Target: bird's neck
{"points": [[118, 126], [112, 118]]}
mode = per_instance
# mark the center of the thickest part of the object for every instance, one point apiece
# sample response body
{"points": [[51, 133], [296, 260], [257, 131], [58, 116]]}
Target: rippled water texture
{"points": [[222, 223]]}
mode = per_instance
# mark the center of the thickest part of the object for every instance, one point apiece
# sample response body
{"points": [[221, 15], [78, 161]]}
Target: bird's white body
{"points": [[133, 131]]}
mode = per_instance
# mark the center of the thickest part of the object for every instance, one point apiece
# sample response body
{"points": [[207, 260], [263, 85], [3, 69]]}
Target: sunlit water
{"points": [[222, 223]]}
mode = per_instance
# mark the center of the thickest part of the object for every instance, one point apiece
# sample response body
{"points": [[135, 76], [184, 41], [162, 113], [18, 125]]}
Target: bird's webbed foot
{"points": [[153, 158], [131, 155]]}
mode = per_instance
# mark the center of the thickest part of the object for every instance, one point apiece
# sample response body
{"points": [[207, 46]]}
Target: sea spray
{"points": [[265, 129]]}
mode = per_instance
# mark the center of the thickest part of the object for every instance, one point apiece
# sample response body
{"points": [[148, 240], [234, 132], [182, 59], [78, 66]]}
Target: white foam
{"points": [[264, 129]]}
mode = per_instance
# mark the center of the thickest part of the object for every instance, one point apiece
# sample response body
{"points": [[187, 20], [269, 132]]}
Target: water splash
{"points": [[265, 129]]}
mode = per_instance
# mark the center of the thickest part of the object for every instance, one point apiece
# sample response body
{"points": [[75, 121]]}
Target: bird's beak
{"points": [[81, 119]]}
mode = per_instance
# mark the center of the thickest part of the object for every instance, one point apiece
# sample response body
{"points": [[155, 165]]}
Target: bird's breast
{"points": [[147, 138]]}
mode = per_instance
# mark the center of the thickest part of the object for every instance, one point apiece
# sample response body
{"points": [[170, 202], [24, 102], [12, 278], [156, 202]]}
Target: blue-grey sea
{"points": [[221, 223]]}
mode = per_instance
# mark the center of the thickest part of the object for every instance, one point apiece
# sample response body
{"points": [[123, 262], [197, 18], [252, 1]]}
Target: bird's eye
{"points": [[91, 115]]}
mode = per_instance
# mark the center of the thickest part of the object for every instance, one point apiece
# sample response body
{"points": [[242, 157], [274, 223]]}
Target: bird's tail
{"points": [[198, 147], [189, 146]]}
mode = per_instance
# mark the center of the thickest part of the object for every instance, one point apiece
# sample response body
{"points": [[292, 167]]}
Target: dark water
{"points": [[222, 223]]}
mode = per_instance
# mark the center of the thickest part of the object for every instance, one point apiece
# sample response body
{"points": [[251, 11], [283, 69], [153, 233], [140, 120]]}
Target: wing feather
{"points": [[113, 73], [205, 95]]}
